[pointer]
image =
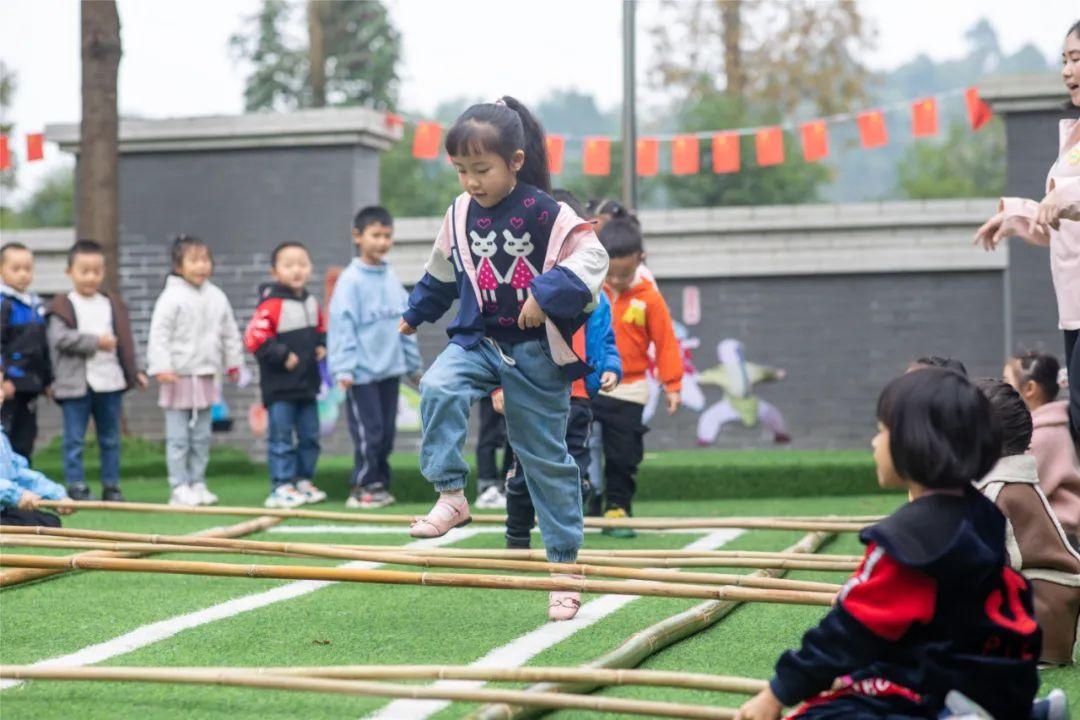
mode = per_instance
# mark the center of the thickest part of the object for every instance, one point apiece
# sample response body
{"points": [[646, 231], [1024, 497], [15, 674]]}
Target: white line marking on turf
{"points": [[163, 629], [518, 652], [400, 529]]}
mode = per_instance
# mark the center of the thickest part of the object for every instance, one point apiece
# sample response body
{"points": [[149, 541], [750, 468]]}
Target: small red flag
{"points": [[556, 145], [685, 155], [979, 112], [648, 157], [725, 153], [924, 117], [872, 132], [769, 143], [815, 140], [35, 146], [426, 140], [393, 120], [5, 153], [597, 160]]}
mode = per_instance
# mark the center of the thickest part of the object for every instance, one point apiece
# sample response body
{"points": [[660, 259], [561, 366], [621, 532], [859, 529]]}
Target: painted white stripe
{"points": [[520, 651], [402, 529], [164, 629]]}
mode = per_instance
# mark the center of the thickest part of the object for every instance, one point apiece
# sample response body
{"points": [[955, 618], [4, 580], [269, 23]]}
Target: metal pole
{"points": [[629, 123]]}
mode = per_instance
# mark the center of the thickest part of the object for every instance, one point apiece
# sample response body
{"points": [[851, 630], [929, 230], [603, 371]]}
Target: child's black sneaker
{"points": [[79, 492], [112, 494]]}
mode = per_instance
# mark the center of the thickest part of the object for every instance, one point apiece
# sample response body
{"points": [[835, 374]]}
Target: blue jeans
{"points": [[105, 409], [537, 404], [291, 461]]}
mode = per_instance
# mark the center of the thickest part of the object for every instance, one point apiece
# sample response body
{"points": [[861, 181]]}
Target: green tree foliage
{"points": [[53, 203], [277, 65], [963, 165]]}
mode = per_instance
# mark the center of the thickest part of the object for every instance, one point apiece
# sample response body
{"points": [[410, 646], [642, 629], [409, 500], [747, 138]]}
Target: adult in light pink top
{"points": [[1055, 222]]}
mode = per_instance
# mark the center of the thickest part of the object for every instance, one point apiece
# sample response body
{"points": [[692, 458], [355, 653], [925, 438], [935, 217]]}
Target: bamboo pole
{"points": [[396, 577], [171, 544], [129, 549], [649, 678], [642, 644], [242, 678], [10, 578], [655, 523]]}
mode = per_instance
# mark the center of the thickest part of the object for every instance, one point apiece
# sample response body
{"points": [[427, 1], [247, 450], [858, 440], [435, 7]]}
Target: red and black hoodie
{"points": [[933, 607], [286, 322]]}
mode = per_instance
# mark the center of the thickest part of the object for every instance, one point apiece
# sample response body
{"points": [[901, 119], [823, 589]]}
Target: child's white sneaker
{"points": [[284, 496], [492, 499], [202, 494], [311, 493], [181, 495]]}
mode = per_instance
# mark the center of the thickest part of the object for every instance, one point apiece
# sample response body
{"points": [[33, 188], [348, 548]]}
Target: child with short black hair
{"points": [[938, 361], [287, 334], [93, 359], [368, 356], [1035, 377], [934, 606], [641, 318], [193, 342], [1035, 541], [24, 347]]}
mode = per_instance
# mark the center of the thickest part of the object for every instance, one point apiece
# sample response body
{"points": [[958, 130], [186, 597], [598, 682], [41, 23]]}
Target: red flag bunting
{"points": [[725, 153], [5, 153], [979, 112], [597, 160], [815, 140], [648, 157], [924, 117], [872, 132], [426, 140], [35, 147], [556, 146], [685, 155], [769, 143]]}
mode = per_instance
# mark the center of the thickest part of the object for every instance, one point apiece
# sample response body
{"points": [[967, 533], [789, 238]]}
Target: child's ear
{"points": [[356, 235], [1029, 389], [517, 160]]}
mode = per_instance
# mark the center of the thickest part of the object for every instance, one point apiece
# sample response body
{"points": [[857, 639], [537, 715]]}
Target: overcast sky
{"points": [[176, 61]]}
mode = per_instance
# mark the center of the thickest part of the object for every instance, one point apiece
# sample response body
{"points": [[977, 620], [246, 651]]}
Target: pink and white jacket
{"points": [[1064, 181], [566, 289], [1059, 470]]}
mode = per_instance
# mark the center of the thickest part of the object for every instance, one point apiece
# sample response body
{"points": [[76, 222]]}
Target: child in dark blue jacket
{"points": [[934, 607]]}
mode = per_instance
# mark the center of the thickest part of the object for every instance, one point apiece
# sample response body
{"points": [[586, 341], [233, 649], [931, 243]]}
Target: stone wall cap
{"points": [[322, 126], [1024, 92]]}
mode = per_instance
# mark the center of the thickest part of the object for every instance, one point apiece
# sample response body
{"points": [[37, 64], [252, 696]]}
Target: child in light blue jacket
{"points": [[367, 356]]}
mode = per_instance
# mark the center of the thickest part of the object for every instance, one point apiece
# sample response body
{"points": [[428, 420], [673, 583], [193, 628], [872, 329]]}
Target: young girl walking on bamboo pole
{"points": [[525, 269]]}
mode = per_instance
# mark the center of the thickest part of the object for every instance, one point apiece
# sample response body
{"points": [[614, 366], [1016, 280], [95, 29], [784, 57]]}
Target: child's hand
{"points": [[673, 400], [415, 378], [106, 342], [405, 328], [345, 383], [166, 377], [1049, 213], [320, 353], [233, 374], [64, 509], [608, 381], [763, 706], [498, 401], [28, 500], [531, 315], [292, 361], [988, 234], [142, 381], [9, 389]]}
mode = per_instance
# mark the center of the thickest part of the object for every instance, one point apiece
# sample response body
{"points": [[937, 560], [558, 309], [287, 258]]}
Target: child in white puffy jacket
{"points": [[193, 340]]}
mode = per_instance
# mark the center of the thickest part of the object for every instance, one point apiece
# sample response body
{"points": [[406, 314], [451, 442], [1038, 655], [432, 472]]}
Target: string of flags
{"points": [[725, 145]]}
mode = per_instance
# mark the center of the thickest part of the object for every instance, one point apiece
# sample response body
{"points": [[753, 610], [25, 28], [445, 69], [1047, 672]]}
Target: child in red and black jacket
{"points": [[934, 606], [287, 335]]}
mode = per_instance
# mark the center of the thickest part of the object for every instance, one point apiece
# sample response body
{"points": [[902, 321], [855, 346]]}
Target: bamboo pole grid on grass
{"points": [[18, 576], [46, 537], [653, 523], [426, 579], [642, 645]]}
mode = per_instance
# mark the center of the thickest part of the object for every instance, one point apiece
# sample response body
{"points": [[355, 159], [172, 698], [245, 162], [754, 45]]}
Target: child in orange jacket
{"points": [[640, 318]]}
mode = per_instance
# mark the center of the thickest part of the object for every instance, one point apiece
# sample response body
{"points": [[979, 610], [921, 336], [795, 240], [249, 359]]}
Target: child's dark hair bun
{"points": [[942, 432], [1042, 369], [1012, 414], [503, 127]]}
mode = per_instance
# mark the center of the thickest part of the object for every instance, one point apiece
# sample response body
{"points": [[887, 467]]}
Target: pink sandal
{"points": [[564, 604], [442, 518]]}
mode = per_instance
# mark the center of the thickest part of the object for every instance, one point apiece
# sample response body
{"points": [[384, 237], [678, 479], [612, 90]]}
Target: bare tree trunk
{"points": [[316, 54], [98, 201], [730, 13]]}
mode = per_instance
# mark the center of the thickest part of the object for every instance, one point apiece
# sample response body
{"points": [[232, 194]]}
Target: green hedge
{"points": [[672, 475]]}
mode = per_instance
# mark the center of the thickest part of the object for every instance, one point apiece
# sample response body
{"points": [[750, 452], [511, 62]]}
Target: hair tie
{"points": [[500, 101]]}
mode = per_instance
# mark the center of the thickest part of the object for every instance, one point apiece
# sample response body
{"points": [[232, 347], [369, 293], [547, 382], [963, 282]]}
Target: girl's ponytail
{"points": [[535, 171]]}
